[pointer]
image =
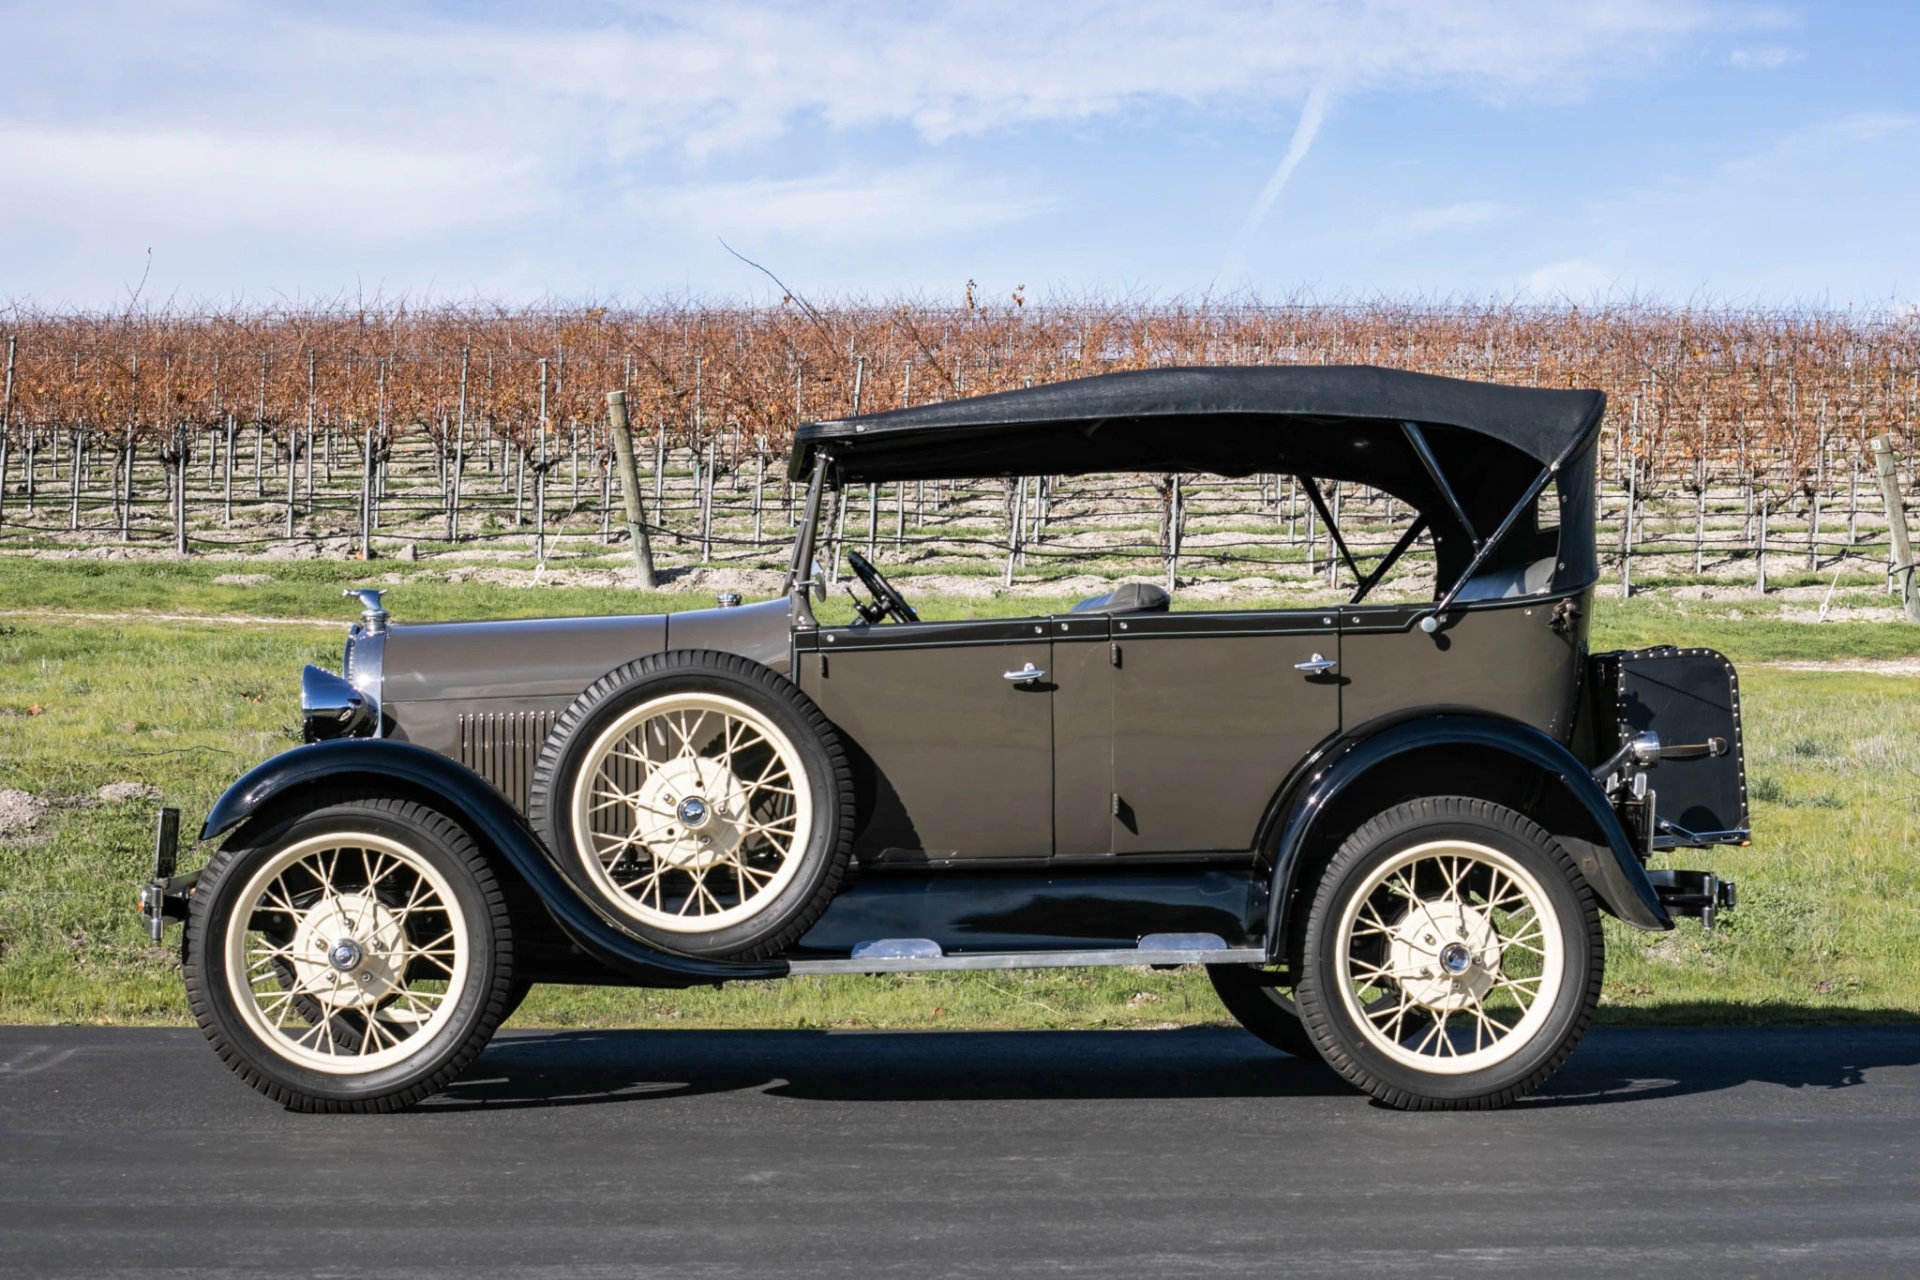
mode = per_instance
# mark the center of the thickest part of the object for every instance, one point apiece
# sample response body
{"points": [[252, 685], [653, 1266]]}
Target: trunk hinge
{"points": [[1113, 652]]}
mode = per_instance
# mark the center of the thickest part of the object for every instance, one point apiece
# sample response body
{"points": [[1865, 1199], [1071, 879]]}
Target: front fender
{"points": [[1616, 874], [466, 796]]}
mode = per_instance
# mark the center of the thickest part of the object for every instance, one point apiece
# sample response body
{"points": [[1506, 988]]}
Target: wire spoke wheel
{"points": [[691, 812], [347, 952], [1449, 957]]}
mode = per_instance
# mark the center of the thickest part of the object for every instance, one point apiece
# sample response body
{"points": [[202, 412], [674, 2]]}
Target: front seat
{"points": [[1128, 597]]}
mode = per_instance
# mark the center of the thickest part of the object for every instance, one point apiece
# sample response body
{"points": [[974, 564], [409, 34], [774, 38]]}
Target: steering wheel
{"points": [[888, 602]]}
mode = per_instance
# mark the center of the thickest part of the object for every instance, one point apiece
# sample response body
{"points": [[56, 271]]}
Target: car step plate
{"points": [[923, 955]]}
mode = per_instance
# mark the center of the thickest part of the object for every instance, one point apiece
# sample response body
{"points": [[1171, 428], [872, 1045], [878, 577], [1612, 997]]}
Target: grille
{"points": [[501, 747]]}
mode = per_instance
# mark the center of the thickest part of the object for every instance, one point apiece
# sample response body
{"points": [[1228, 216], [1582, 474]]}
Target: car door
{"points": [[951, 724], [1210, 712]]}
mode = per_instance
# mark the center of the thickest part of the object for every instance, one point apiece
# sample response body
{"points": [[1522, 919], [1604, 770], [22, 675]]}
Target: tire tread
{"points": [[230, 1048]]}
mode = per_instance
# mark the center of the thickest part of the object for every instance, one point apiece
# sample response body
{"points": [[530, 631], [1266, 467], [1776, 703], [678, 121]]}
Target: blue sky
{"points": [[1679, 150]]}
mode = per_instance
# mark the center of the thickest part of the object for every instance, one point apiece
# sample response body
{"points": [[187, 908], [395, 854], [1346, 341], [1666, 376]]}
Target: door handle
{"points": [[1317, 665], [1025, 675]]}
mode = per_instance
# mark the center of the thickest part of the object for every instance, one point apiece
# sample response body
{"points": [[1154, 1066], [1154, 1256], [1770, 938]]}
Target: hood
{"points": [[558, 657]]}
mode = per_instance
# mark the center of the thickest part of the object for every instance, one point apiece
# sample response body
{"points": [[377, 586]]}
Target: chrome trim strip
{"points": [[365, 668], [1035, 960]]}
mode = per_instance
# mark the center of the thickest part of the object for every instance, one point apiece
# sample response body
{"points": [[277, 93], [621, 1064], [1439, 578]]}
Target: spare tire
{"points": [[700, 799]]}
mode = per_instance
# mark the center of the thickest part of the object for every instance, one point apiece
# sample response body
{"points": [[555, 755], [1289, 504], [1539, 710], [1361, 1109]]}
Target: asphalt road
{"points": [[1684, 1154]]}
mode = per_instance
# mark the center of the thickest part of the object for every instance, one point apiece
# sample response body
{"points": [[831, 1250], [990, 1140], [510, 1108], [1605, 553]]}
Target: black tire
{"points": [[516, 996], [227, 1005], [1385, 1058], [1261, 1000], [799, 881]]}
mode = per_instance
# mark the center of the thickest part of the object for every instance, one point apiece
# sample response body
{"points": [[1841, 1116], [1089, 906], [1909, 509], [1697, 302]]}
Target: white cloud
{"points": [[169, 179], [233, 126], [701, 78], [1467, 215], [1766, 59], [1570, 280], [846, 207]]}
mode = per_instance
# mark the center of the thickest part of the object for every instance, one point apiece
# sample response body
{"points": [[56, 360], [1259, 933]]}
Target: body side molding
{"points": [[493, 820]]}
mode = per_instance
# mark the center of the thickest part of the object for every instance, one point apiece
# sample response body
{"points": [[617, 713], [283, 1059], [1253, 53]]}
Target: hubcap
{"points": [[1452, 957], [691, 812]]}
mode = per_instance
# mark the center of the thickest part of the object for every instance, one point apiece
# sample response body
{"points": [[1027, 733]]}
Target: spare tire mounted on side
{"points": [[699, 798]]}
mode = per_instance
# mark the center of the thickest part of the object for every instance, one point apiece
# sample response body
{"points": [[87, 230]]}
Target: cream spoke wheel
{"points": [[1445, 953], [347, 952], [689, 812]]}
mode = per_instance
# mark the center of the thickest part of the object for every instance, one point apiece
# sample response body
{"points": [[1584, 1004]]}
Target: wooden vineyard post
{"points": [[1900, 572], [630, 487], [1760, 547], [366, 497], [1627, 517], [226, 466], [6, 423], [293, 471], [659, 466], [459, 451], [1173, 532], [178, 462], [759, 487], [312, 406], [260, 437], [705, 496], [540, 479], [126, 493], [1016, 508]]}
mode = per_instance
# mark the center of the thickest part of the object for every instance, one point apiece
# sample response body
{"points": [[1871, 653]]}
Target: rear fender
{"points": [[466, 797], [1610, 865]]}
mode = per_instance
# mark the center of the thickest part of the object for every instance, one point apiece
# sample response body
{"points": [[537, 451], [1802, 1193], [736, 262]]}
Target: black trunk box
{"points": [[1686, 696]]}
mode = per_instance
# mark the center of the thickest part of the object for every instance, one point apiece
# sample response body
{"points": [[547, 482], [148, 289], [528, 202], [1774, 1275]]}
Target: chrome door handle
{"points": [[1318, 665], [1024, 675]]}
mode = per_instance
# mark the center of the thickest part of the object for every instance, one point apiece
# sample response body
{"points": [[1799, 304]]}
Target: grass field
{"points": [[1828, 929]]}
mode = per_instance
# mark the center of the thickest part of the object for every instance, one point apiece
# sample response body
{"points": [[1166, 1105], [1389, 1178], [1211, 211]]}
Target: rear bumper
{"points": [[166, 897], [1694, 893]]}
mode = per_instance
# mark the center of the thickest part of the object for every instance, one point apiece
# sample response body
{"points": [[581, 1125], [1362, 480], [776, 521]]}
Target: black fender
{"points": [[1615, 874], [465, 796]]}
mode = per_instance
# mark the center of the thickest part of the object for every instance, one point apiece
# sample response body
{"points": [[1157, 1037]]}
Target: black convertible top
{"points": [[1471, 457], [1230, 421]]}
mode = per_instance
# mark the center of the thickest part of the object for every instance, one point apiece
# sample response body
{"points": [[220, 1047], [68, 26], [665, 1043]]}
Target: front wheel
{"points": [[352, 957], [1452, 956]]}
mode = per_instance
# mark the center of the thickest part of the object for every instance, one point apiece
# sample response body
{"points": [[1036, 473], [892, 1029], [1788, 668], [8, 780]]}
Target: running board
{"points": [[923, 955]]}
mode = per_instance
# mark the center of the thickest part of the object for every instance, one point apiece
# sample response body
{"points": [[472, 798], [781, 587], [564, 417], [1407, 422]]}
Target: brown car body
{"points": [[1085, 779]]}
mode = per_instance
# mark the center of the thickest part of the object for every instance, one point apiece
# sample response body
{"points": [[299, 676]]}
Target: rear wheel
{"points": [[354, 957], [1452, 956]]}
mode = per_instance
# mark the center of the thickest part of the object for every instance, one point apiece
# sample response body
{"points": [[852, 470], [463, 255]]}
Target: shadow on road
{"points": [[571, 1068], [1615, 1065]]}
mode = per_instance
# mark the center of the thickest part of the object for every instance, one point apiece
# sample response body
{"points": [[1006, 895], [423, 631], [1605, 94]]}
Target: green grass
{"points": [[1828, 930]]}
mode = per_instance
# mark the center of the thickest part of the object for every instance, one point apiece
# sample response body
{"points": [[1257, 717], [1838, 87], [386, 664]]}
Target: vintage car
{"points": [[1387, 830]]}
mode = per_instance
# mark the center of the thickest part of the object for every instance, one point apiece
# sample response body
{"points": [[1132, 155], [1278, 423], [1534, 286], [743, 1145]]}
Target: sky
{"points": [[218, 153]]}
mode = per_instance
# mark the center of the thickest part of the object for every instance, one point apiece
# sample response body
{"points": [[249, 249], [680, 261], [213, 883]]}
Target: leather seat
{"points": [[1128, 597]]}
